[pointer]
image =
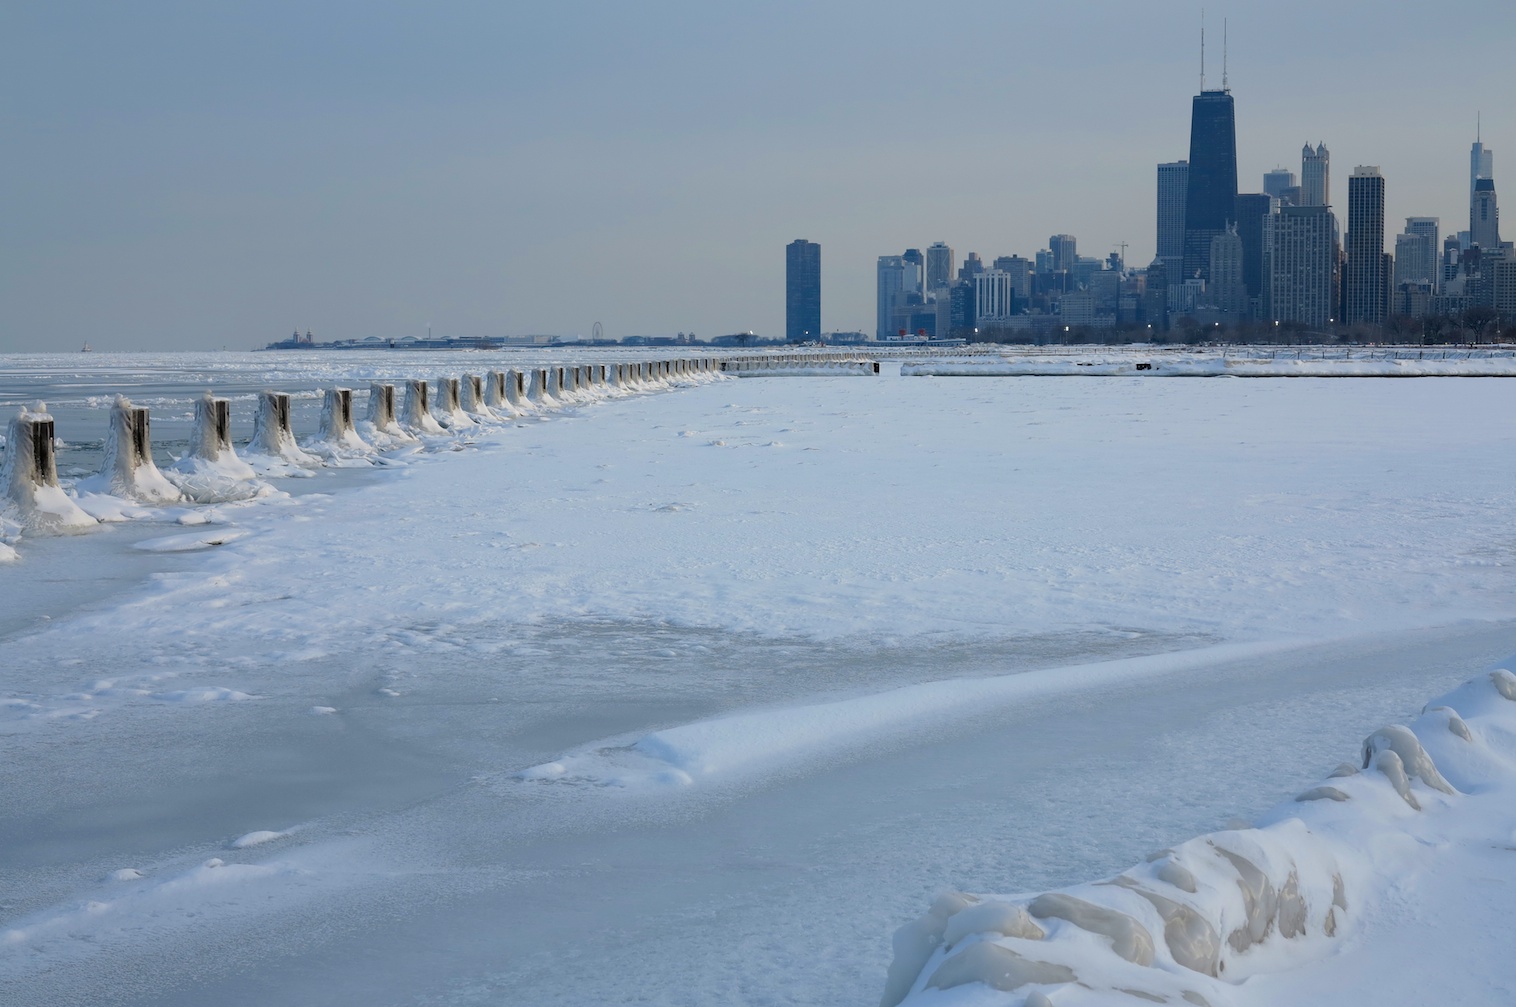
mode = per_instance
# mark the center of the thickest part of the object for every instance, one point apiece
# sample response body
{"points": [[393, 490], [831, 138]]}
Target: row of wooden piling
{"points": [[30, 476]]}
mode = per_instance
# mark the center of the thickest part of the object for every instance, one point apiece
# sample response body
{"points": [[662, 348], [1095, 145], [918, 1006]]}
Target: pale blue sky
{"points": [[200, 175]]}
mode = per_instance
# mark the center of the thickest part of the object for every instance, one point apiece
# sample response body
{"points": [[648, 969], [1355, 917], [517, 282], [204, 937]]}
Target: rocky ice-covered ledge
{"points": [[1195, 921]]}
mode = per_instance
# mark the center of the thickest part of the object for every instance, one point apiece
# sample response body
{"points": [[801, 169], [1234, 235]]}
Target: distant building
{"points": [[1416, 252], [1249, 210], [802, 291], [939, 266], [1278, 180], [1315, 176], [1020, 271], [1211, 184], [892, 285], [972, 266], [1226, 288], [994, 296], [1063, 248], [1484, 215], [1173, 178], [1367, 284], [1481, 165], [1300, 248]]}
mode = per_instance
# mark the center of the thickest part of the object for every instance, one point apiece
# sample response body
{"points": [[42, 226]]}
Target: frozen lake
{"points": [[1263, 572]]}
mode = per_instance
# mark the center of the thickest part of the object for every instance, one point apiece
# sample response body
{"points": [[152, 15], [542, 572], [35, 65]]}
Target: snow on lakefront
{"points": [[700, 695]]}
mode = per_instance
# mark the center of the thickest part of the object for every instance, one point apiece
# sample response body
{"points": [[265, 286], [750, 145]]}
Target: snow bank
{"points": [[30, 477], [1097, 365], [1195, 921], [128, 470]]}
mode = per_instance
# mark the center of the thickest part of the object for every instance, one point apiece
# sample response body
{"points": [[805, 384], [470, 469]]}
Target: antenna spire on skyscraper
{"points": [[1202, 50], [1224, 86]]}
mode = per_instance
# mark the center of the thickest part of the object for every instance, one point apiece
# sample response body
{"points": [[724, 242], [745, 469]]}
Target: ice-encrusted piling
{"points": [[471, 388], [417, 416], [380, 425], [515, 391], [494, 393], [211, 459], [540, 394], [338, 434], [272, 435], [129, 470], [30, 476], [447, 407]]}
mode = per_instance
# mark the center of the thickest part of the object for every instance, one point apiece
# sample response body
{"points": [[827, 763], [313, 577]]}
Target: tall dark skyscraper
{"points": [[802, 291], [1367, 284], [1250, 209], [1211, 185]]}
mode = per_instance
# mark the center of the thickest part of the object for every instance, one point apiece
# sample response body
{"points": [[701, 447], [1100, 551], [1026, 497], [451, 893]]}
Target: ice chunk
{"points": [[1414, 759], [1389, 764], [1191, 939], [1321, 794], [1504, 682], [915, 943], [1004, 918]]}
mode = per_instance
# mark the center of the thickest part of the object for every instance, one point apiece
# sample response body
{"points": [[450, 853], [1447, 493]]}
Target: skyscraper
{"points": [[1226, 290], [1250, 209], [1063, 248], [1367, 282], [1173, 177], [1315, 176], [891, 285], [1300, 248], [939, 266], [1211, 185], [1417, 251], [802, 291], [1484, 215], [1278, 180], [1481, 165]]}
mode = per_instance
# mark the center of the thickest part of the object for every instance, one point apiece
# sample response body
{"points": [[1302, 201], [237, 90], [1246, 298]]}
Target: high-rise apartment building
{"points": [[1211, 185], [1484, 215], [890, 277], [1226, 288], [1300, 247], [1417, 251], [939, 266], [994, 296], [1173, 180], [1367, 284], [1278, 180], [1315, 176], [1063, 248], [802, 291], [1250, 209]]}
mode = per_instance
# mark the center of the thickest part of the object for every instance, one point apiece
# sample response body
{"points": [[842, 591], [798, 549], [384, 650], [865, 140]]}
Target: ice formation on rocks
{"points": [[337, 438], [1195, 919], [30, 477]]}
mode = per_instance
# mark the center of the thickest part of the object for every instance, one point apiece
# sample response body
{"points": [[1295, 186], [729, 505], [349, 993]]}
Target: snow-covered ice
{"points": [[698, 696]]}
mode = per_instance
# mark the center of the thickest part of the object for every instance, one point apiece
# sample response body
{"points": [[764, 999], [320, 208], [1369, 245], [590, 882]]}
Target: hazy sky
{"points": [[201, 175]]}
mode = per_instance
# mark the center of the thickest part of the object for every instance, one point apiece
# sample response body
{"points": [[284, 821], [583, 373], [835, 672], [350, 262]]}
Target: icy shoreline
{"points": [[1197, 921]]}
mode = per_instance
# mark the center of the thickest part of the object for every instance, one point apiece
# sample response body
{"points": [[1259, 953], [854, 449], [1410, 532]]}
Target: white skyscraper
{"points": [[1315, 176]]}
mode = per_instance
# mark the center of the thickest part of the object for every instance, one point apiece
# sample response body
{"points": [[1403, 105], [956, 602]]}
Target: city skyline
{"points": [[209, 178]]}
